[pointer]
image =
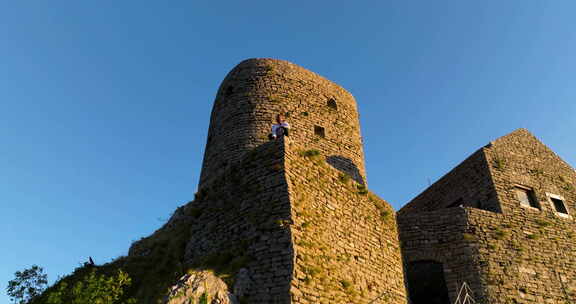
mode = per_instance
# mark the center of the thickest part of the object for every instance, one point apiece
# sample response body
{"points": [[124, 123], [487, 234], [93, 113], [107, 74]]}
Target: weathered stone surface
{"points": [[256, 90], [290, 220], [473, 222], [192, 287]]}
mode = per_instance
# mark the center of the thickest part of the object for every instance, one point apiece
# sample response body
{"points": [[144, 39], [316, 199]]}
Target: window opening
{"points": [[527, 197], [458, 202], [332, 104], [559, 205], [229, 91], [319, 131]]}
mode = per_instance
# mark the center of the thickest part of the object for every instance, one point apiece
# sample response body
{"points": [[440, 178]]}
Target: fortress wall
{"points": [[305, 232], [242, 217], [524, 260], [468, 184], [256, 90], [528, 253], [521, 159], [523, 254], [442, 236], [345, 238], [305, 228]]}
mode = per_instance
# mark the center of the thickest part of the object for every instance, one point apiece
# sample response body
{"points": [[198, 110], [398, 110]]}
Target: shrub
{"points": [[542, 223], [310, 153], [499, 163], [344, 178], [345, 284], [499, 234], [93, 288], [362, 190]]}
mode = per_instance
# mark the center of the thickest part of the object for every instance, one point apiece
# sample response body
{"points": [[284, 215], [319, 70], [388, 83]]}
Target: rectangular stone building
{"points": [[502, 221]]}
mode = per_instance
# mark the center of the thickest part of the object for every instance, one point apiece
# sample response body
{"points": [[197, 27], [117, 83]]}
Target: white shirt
{"points": [[276, 129]]}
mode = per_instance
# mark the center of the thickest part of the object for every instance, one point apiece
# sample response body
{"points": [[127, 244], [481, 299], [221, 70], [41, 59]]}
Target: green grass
{"points": [[362, 190], [499, 234], [345, 284], [310, 153]]}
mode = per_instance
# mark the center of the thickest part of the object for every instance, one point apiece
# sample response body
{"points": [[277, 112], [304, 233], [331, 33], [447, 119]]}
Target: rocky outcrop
{"points": [[200, 287]]}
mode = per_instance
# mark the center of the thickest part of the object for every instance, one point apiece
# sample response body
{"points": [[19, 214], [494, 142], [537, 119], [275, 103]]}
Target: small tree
{"points": [[27, 285]]}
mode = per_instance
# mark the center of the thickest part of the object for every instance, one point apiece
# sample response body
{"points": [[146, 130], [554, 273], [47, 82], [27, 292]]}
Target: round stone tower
{"points": [[322, 115]]}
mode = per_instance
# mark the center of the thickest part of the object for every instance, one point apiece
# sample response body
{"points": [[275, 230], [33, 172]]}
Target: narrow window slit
{"points": [[331, 103], [319, 131]]}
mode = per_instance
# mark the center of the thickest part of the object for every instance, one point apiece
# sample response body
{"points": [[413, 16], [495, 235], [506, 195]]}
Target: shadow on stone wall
{"points": [[426, 284], [345, 165]]}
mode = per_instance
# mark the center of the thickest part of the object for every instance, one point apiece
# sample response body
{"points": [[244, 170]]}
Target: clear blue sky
{"points": [[104, 105]]}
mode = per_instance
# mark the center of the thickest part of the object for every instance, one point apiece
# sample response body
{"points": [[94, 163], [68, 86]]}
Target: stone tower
{"points": [[323, 116], [290, 220], [502, 221]]}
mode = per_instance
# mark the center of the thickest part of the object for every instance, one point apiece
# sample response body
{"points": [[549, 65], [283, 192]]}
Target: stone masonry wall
{"points": [[521, 255], [528, 253], [304, 231], [469, 184], [245, 213], [256, 90], [442, 236], [345, 237]]}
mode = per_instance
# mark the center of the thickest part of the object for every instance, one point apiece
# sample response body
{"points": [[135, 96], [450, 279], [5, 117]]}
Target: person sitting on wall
{"points": [[280, 128]]}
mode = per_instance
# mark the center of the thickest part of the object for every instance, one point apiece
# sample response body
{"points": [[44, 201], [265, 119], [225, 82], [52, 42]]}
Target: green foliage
{"points": [[537, 171], [310, 153], [499, 234], [93, 288], [542, 223], [383, 210], [226, 264], [345, 284], [468, 236], [203, 299], [568, 187], [27, 285], [362, 190], [499, 163], [344, 178], [313, 271], [305, 244]]}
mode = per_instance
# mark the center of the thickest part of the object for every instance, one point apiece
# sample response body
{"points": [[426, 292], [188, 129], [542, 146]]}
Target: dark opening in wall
{"points": [[319, 131], [468, 203], [229, 91], [346, 166], [527, 197], [459, 202], [559, 205], [426, 284], [332, 104]]}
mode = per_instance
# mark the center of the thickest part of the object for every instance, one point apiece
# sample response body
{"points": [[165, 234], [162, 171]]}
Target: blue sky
{"points": [[104, 105]]}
